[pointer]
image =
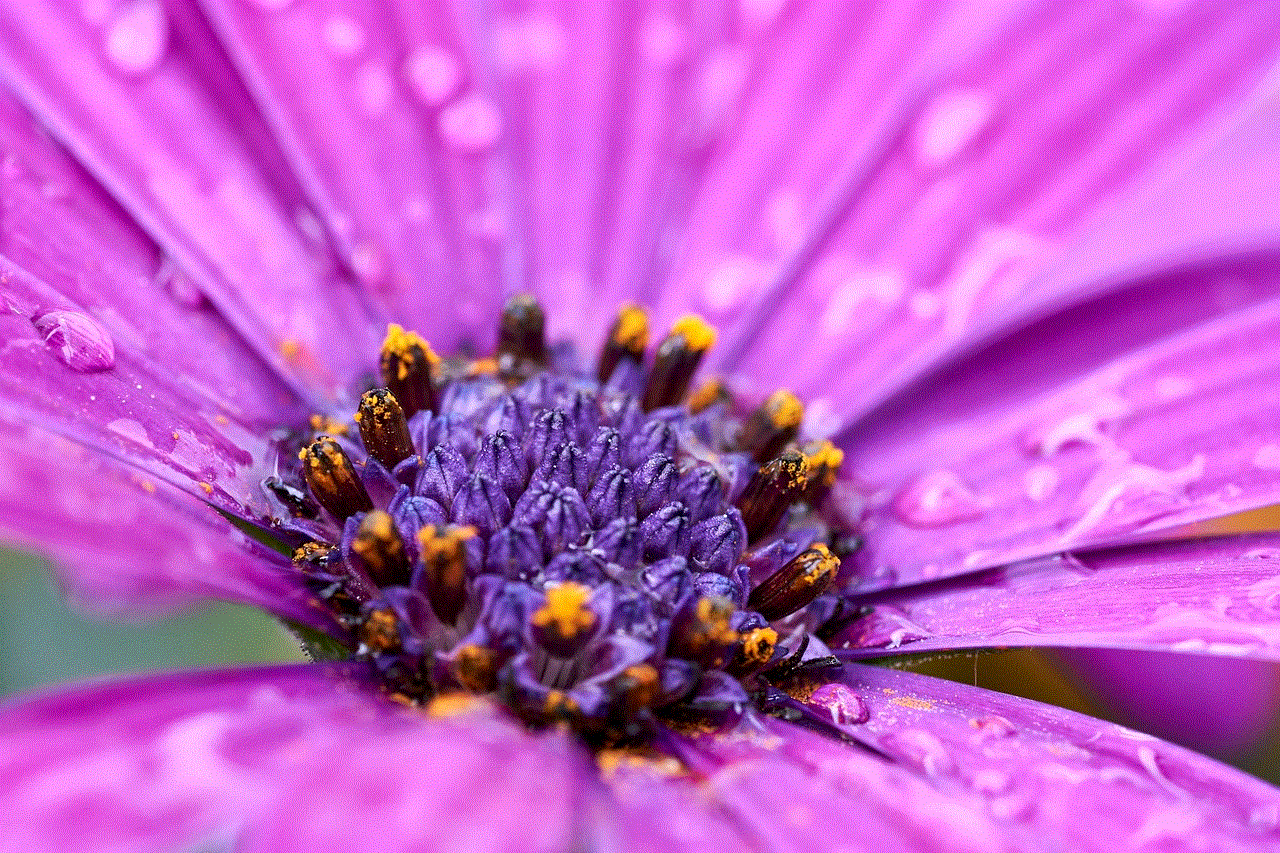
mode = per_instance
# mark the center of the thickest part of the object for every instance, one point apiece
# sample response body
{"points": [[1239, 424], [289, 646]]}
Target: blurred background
{"points": [[1225, 708]]}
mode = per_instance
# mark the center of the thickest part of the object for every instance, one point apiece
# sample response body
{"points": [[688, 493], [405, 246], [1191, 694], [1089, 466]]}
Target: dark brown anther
{"points": [[384, 428], [333, 479], [678, 358], [708, 394], [379, 631], [705, 635], [444, 560], [407, 366], [771, 426], [824, 460], [637, 688], [754, 651], [771, 491], [476, 668], [522, 334], [292, 497], [379, 549], [794, 586], [628, 339]]}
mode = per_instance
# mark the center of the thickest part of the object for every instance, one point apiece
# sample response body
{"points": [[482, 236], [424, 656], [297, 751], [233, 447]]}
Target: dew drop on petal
{"points": [[343, 35], [845, 706], [433, 74], [471, 123], [1267, 457], [949, 124], [136, 38], [937, 499], [79, 341]]}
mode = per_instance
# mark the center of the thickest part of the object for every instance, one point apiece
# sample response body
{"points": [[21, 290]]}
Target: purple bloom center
{"points": [[590, 546]]}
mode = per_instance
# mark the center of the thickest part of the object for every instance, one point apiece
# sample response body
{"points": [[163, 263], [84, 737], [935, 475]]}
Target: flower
{"points": [[1016, 262]]}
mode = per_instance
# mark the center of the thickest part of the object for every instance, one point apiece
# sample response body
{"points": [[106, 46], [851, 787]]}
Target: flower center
{"points": [[595, 546]]}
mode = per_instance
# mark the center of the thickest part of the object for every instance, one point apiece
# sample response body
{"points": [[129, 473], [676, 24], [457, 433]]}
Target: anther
{"points": [[521, 334], [312, 554], [628, 339], [406, 365], [565, 621], [476, 669], [771, 426], [805, 577], [379, 631], [707, 395], [754, 651], [678, 358], [379, 549], [706, 635], [384, 428], [333, 479], [823, 459], [444, 564], [771, 491], [638, 687]]}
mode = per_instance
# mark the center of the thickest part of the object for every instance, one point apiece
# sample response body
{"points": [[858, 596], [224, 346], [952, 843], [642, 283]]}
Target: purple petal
{"points": [[1112, 423], [1209, 703], [1053, 778], [1219, 596], [983, 209], [283, 758], [165, 135], [127, 543], [340, 81]]}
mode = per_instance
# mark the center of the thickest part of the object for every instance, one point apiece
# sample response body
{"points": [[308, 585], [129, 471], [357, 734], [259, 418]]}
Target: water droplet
{"points": [[1141, 491], [375, 88], [662, 40], [1079, 426], [885, 628], [923, 748], [433, 74], [844, 706], [937, 499], [79, 341], [991, 782], [949, 124], [471, 123], [992, 727], [1267, 457], [343, 35], [732, 280], [136, 39], [1041, 482], [528, 42]]}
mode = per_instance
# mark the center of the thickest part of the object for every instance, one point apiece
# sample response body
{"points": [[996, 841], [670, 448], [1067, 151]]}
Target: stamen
{"points": [[754, 651], [445, 568], [522, 335], [312, 554], [706, 635], [333, 479], [771, 426], [379, 631], [383, 428], [678, 358], [565, 620], [824, 460], [805, 577], [407, 364], [770, 493], [638, 688], [379, 549], [628, 339], [707, 395], [476, 668]]}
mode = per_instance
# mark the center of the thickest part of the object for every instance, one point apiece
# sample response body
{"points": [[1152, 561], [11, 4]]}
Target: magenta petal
{"points": [[283, 758], [1111, 423], [339, 81], [1219, 596], [126, 543], [1054, 778], [988, 206], [1217, 705], [168, 144]]}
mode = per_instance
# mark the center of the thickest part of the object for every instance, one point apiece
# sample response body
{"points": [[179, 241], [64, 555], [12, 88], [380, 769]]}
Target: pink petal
{"points": [[1219, 596]]}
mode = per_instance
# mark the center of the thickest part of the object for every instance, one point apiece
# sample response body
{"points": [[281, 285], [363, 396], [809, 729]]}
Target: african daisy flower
{"points": [[593, 387]]}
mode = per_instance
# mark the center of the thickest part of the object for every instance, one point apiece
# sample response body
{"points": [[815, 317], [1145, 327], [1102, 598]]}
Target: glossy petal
{"points": [[983, 209], [1080, 431], [126, 543], [174, 145], [1218, 596], [337, 81], [1055, 779], [261, 758]]}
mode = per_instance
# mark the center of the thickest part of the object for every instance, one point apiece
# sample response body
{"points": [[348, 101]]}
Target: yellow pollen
{"points": [[784, 409], [444, 548], [454, 705], [824, 461], [566, 610], [714, 616], [706, 395], [208, 489], [632, 330], [697, 333], [758, 645], [400, 344]]}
